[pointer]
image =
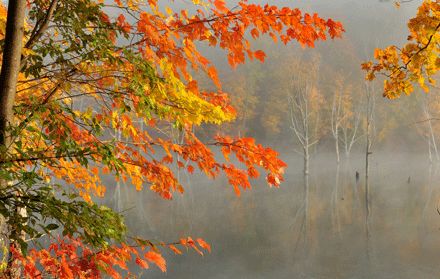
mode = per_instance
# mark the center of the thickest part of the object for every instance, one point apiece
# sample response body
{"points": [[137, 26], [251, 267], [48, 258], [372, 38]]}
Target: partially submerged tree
{"points": [[369, 126], [130, 62]]}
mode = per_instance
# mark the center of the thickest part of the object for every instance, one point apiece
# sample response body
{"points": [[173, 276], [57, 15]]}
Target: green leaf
{"points": [[52, 227]]}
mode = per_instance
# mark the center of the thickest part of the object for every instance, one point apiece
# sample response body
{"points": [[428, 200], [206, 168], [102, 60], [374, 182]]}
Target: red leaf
{"points": [[190, 169]]}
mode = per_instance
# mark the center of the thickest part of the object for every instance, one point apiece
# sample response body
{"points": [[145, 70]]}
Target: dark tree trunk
{"points": [[8, 86], [10, 67]]}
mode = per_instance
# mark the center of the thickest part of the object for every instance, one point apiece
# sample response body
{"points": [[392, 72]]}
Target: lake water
{"points": [[318, 227]]}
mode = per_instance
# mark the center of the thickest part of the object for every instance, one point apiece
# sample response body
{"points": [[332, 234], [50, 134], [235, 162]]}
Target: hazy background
{"points": [[260, 90], [317, 226]]}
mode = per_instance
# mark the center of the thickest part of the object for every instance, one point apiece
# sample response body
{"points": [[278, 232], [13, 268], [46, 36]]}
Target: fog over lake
{"points": [[317, 230]]}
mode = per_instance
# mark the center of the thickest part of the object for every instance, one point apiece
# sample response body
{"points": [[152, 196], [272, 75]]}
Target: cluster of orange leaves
{"points": [[226, 28], [197, 154], [70, 258]]}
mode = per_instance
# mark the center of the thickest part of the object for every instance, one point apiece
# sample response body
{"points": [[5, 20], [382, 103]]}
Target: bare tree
{"points": [[336, 114], [351, 133], [305, 103], [345, 116], [432, 143], [351, 121], [430, 104]]}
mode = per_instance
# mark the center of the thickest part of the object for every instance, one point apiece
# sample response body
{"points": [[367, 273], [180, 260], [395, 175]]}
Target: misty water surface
{"points": [[319, 229]]}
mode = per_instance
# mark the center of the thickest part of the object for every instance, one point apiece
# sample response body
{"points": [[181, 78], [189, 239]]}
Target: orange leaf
{"points": [[260, 55], [204, 245], [212, 73], [220, 5], [140, 262], [157, 259], [65, 269], [175, 250]]}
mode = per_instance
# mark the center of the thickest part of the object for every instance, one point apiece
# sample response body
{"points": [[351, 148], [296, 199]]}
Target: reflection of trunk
{"points": [[301, 231], [306, 213], [367, 161], [335, 201], [367, 219], [432, 179], [367, 206], [302, 216]]}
